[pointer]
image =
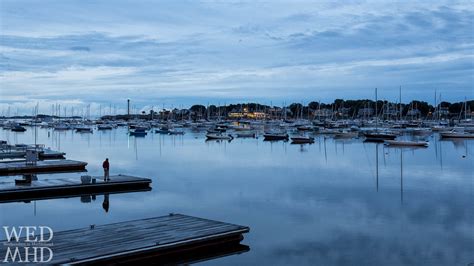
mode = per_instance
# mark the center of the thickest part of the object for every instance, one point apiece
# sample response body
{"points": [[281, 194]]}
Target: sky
{"points": [[179, 53]]}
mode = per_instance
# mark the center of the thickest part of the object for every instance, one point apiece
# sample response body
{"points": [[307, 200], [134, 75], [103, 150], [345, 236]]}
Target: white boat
{"points": [[211, 136], [406, 143]]}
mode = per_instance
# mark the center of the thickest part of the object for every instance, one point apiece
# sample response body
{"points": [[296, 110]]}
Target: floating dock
{"points": [[170, 239], [69, 187], [7, 168]]}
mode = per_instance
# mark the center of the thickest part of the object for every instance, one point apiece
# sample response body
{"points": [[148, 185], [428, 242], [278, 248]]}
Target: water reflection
{"points": [[106, 203]]}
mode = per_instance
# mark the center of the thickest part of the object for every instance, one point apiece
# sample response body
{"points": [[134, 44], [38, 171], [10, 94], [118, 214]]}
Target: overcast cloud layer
{"points": [[184, 52]]}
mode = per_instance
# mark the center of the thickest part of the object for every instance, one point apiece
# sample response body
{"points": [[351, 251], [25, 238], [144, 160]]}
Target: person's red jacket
{"points": [[105, 165]]}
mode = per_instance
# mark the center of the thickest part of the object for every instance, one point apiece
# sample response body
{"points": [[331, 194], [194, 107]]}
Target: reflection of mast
{"points": [[377, 165], [441, 154], [401, 176], [136, 148], [325, 151]]}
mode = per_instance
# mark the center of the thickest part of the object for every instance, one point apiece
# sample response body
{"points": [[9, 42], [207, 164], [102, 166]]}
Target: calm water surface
{"points": [[319, 204]]}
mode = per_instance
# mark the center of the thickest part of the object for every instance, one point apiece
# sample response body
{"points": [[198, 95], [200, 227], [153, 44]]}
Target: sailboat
{"points": [[378, 136], [457, 133]]}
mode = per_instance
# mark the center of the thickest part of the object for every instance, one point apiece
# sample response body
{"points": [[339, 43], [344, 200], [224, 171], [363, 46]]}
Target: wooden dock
{"points": [[170, 239], [7, 168], [69, 187]]}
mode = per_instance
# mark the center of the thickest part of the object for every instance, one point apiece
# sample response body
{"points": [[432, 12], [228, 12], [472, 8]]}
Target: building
{"points": [[246, 114]]}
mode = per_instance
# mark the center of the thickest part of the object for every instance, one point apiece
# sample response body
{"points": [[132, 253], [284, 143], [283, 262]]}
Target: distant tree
{"points": [[456, 108], [338, 103], [313, 105], [295, 108], [198, 108]]}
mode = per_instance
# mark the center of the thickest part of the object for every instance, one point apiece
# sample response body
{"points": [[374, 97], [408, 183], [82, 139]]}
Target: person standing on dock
{"points": [[106, 166]]}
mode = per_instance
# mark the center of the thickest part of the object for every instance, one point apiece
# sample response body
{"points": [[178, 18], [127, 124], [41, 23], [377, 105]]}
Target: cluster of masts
{"points": [[298, 130]]}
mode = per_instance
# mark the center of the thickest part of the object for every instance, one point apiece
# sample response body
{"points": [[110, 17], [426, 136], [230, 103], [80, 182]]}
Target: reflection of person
{"points": [[106, 166], [105, 204]]}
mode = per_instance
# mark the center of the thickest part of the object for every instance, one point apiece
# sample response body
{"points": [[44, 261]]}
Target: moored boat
{"points": [[18, 128], [456, 135], [162, 130], [379, 136], [175, 132], [406, 143], [138, 132], [275, 136], [302, 140], [218, 136], [247, 134], [83, 129]]}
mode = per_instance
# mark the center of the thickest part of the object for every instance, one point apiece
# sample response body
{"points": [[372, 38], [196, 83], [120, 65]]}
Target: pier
{"points": [[69, 187], [7, 168], [170, 239]]}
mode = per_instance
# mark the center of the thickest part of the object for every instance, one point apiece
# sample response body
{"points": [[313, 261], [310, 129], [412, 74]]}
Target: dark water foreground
{"points": [[330, 203]]}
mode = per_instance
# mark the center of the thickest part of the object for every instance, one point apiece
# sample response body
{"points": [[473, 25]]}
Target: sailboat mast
{"points": [[436, 105], [465, 108], [400, 103], [376, 111]]}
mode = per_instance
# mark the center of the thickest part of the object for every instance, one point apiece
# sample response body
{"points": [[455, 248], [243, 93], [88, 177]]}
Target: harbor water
{"points": [[333, 202]]}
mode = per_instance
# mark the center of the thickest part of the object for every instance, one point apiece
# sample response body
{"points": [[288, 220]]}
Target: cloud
{"points": [[231, 51]]}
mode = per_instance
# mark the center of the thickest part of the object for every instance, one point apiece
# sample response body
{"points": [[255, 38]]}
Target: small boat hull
{"points": [[219, 137], [406, 143], [274, 137], [302, 140], [379, 137]]}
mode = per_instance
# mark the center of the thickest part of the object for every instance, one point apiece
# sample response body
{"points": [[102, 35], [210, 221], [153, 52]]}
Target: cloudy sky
{"points": [[182, 52]]}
